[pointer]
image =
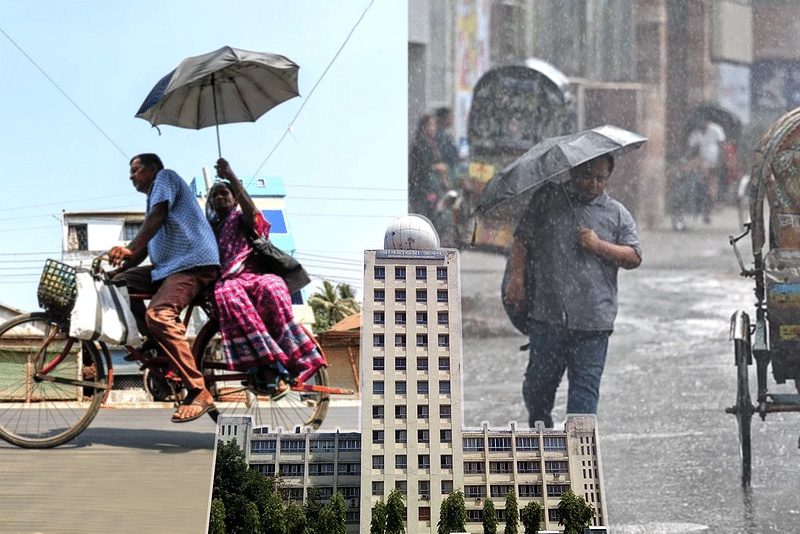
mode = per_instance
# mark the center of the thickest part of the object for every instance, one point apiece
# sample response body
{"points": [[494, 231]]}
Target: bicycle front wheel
{"points": [[305, 406], [51, 385]]}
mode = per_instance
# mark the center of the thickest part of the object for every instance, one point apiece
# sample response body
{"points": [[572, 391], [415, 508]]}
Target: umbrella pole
{"points": [[216, 120]]}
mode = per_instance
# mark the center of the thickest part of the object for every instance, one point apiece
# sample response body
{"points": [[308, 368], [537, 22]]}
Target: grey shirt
{"points": [[573, 287]]}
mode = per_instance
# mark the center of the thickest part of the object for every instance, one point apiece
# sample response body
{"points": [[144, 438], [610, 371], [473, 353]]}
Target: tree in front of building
{"points": [[296, 522], [574, 513], [216, 520], [333, 518], [378, 523], [531, 517], [489, 517], [452, 514], [512, 513], [273, 517], [395, 513], [331, 305], [251, 522], [313, 506]]}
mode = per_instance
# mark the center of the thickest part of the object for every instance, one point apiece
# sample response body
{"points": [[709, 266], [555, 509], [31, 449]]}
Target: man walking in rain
{"points": [[569, 245]]}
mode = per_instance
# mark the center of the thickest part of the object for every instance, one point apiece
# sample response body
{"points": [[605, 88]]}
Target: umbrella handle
{"points": [[216, 119]]}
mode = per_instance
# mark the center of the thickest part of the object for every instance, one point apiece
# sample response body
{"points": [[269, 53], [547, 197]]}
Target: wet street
{"points": [[669, 451]]}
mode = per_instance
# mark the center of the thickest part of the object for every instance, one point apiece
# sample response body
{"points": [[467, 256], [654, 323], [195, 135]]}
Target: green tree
{"points": [[378, 523], [216, 521], [395, 512], [512, 513], [532, 516], [489, 519], [452, 514], [230, 468], [313, 506], [336, 515], [574, 513], [331, 305], [251, 521], [273, 518], [296, 522]]}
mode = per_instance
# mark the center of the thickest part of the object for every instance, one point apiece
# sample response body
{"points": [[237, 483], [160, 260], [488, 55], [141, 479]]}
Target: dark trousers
{"points": [[162, 316]]}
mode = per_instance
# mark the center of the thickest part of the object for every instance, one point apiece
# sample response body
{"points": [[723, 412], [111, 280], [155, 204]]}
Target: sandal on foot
{"points": [[199, 398]]}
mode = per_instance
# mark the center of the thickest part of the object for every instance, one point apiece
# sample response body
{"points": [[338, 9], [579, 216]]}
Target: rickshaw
{"points": [[772, 338]]}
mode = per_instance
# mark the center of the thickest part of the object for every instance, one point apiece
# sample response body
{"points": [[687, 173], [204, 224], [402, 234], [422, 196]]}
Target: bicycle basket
{"points": [[57, 289]]}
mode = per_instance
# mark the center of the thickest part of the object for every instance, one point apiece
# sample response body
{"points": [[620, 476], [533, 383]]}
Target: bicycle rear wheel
{"points": [[303, 407], [51, 385]]}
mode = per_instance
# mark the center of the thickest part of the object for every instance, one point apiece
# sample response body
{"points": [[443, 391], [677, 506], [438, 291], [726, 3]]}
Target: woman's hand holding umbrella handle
{"points": [[240, 194]]}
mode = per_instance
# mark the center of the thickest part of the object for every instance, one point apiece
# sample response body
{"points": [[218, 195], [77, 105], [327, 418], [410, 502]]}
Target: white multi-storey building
{"points": [[412, 436]]}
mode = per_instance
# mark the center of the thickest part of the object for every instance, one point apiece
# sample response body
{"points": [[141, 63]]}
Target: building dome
{"points": [[411, 232]]}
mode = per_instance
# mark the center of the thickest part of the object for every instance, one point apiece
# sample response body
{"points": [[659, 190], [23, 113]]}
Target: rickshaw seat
{"points": [[782, 281]]}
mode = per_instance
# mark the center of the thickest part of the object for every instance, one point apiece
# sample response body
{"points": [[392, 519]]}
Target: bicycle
{"points": [[52, 385]]}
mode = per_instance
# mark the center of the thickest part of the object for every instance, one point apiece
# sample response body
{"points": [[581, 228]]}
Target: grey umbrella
{"points": [[225, 86], [550, 161]]}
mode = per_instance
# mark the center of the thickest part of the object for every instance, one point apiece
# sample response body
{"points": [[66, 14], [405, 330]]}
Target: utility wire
{"points": [[291, 124], [63, 93]]}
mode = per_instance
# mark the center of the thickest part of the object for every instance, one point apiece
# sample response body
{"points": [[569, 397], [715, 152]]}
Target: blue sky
{"points": [[343, 165]]}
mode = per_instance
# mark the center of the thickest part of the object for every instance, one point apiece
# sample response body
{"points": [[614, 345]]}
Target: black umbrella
{"points": [[225, 86]]}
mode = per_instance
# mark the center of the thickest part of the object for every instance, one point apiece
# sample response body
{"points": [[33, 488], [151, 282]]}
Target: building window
{"points": [[377, 412], [527, 444], [556, 466], [424, 513], [422, 295], [350, 445], [352, 518], [77, 237], [530, 490], [322, 445], [350, 469], [474, 468], [441, 295], [292, 470], [402, 485], [400, 318], [265, 469], [422, 318], [423, 436], [557, 490], [447, 486], [443, 317], [501, 467], [423, 412], [422, 363], [400, 387], [473, 444], [377, 387], [474, 516], [377, 436], [400, 340], [444, 387], [377, 463], [320, 470], [422, 340], [400, 273], [379, 317], [399, 364], [552, 515], [446, 435], [380, 295], [378, 340], [424, 487], [499, 490], [424, 461], [262, 446], [475, 492], [444, 341], [380, 272], [528, 466], [499, 444], [422, 387], [441, 273], [295, 494], [401, 461], [444, 411], [378, 364], [377, 485], [400, 412], [444, 364], [130, 230], [555, 443], [399, 295], [293, 446], [447, 462], [400, 436], [422, 273]]}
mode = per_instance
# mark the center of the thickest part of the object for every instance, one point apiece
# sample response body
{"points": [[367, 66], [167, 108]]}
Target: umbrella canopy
{"points": [[225, 86], [551, 160], [714, 113]]}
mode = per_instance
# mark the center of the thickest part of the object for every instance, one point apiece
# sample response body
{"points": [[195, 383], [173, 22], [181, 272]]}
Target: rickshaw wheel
{"points": [[744, 409]]}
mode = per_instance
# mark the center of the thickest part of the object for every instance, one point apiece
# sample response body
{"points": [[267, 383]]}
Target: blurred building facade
{"points": [[640, 64]]}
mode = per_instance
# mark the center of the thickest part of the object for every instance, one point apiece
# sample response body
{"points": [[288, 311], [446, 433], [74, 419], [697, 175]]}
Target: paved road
{"points": [[670, 453]]}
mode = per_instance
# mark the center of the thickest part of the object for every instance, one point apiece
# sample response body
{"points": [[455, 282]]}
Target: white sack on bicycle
{"points": [[102, 311]]}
